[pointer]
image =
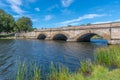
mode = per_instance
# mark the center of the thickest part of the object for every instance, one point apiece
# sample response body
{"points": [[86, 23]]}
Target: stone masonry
{"points": [[108, 31]]}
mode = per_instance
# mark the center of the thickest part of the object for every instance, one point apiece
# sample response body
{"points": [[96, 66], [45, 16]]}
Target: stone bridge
{"points": [[108, 31]]}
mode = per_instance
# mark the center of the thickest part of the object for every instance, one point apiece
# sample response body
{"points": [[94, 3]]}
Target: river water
{"points": [[43, 53]]}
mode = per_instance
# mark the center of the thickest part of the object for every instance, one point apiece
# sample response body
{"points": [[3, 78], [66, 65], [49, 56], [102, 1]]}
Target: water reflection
{"points": [[43, 52]]}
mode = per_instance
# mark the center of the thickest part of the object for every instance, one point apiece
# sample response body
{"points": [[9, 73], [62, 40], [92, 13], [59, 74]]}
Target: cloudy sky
{"points": [[57, 13]]}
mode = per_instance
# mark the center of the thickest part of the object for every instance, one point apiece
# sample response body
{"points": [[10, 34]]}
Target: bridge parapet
{"points": [[91, 26]]}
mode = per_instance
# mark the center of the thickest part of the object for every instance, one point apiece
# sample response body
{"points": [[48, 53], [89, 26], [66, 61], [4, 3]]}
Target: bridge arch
{"points": [[60, 36], [86, 37], [41, 36]]}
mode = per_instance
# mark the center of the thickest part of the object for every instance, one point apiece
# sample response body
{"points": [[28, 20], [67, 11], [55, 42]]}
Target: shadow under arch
{"points": [[88, 36], [41, 36], [60, 36]]}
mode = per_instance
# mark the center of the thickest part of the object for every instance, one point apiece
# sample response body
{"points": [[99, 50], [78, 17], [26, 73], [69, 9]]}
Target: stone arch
{"points": [[41, 36], [60, 36], [85, 37]]}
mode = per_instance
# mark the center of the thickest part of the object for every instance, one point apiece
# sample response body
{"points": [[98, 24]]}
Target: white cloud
{"points": [[66, 12], [66, 3], [17, 9], [52, 7], [15, 6], [117, 20], [15, 2], [48, 17], [88, 16], [34, 20], [37, 9], [102, 22]]}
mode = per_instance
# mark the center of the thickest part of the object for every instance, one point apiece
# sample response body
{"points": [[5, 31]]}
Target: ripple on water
{"points": [[42, 52]]}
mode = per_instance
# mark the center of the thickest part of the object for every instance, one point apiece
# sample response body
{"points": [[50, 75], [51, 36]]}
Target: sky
{"points": [[59, 13]]}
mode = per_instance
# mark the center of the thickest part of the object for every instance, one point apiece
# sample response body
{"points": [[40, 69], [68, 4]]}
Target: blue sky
{"points": [[57, 13]]}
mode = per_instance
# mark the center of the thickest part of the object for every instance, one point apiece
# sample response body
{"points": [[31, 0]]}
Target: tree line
{"points": [[8, 23]]}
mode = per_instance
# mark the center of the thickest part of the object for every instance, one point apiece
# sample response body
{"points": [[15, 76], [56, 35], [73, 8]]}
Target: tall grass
{"points": [[103, 57], [109, 56], [22, 71], [86, 67], [28, 73], [58, 72]]}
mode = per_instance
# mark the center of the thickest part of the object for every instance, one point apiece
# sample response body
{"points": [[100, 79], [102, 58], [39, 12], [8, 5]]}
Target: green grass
{"points": [[108, 56], [99, 70], [103, 73], [86, 67], [28, 72]]}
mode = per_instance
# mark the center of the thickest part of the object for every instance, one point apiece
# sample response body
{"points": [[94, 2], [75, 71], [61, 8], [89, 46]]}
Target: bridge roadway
{"points": [[108, 31]]}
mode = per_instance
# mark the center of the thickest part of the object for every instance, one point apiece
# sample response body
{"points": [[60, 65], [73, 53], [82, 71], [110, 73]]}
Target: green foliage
{"points": [[36, 73], [102, 73], [98, 73], [86, 67], [58, 74], [24, 24], [76, 76], [28, 73], [7, 22], [96, 37], [109, 56], [22, 71]]}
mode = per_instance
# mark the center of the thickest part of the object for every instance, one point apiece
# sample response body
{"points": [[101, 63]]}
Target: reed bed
{"points": [[98, 70], [108, 56]]}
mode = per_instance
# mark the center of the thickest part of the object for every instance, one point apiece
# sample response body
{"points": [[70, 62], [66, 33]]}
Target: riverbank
{"points": [[106, 66], [7, 36]]}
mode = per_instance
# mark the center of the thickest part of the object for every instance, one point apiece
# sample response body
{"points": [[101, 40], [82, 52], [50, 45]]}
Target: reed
{"points": [[59, 73], [103, 58], [28, 73], [86, 67], [109, 56]]}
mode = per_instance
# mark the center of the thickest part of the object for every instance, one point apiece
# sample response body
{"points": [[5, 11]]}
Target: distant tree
{"points": [[88, 24], [24, 24], [69, 25], [82, 25], [34, 28]]}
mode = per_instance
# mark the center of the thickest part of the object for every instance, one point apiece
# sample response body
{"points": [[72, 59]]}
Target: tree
{"points": [[2, 15], [6, 22], [9, 24], [69, 25], [24, 24], [88, 24]]}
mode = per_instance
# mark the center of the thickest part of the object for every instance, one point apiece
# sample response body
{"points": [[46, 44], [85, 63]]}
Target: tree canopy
{"points": [[24, 24], [8, 24]]}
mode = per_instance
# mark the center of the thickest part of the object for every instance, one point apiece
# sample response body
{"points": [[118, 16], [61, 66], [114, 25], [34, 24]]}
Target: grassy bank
{"points": [[109, 56], [7, 36], [100, 69]]}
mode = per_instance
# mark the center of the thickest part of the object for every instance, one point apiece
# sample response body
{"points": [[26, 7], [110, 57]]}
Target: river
{"points": [[43, 53]]}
